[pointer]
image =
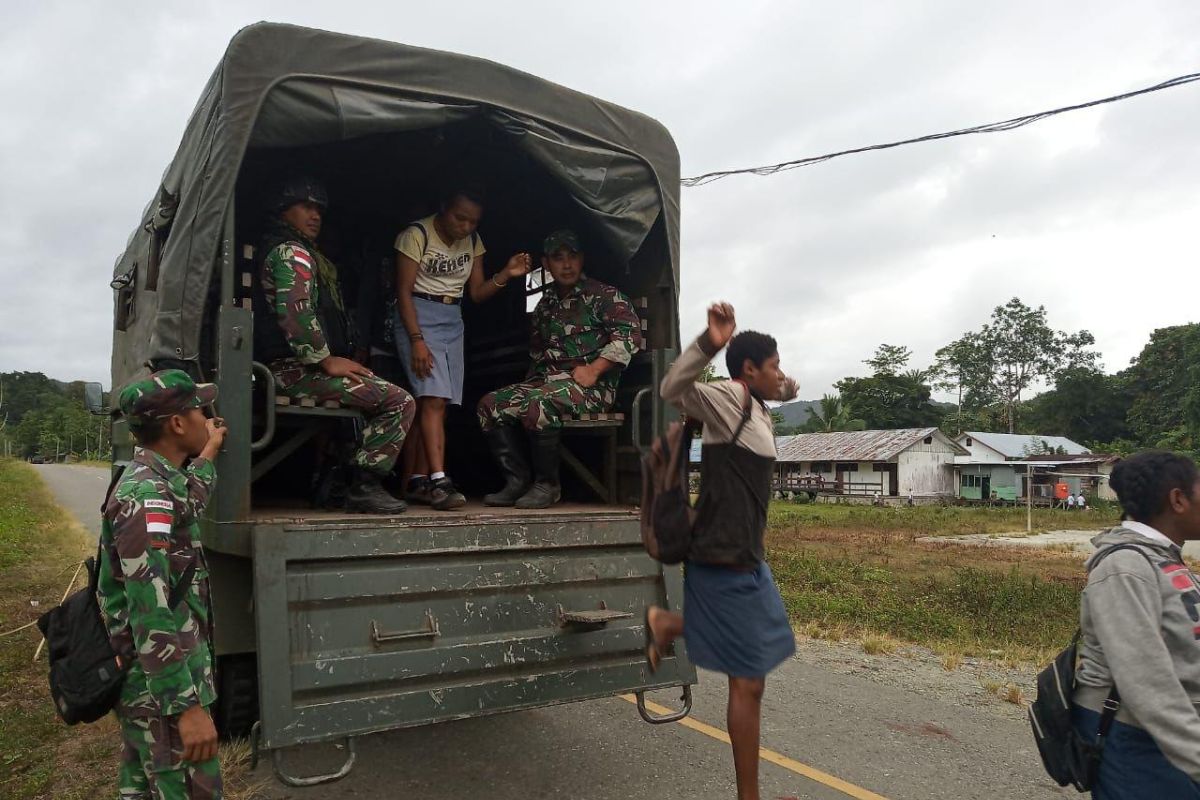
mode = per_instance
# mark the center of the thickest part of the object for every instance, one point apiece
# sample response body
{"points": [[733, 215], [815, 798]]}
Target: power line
{"points": [[991, 127]]}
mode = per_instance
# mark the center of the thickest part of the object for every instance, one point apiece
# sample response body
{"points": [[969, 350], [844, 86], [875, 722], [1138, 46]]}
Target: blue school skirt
{"points": [[442, 326], [734, 620]]}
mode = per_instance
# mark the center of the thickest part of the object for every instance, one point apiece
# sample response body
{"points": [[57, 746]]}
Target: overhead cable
{"points": [[991, 127]]}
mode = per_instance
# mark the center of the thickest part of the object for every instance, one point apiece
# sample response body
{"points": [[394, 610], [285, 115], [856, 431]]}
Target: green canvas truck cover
{"points": [[282, 85]]}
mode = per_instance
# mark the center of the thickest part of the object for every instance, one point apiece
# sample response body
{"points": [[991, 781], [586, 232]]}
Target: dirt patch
{"points": [[920, 670]]}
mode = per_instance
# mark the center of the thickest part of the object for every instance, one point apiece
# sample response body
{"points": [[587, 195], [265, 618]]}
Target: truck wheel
{"points": [[237, 695]]}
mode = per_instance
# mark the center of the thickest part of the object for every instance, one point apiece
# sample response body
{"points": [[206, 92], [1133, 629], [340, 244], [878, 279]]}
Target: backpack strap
{"points": [[747, 408], [424, 239], [185, 583]]}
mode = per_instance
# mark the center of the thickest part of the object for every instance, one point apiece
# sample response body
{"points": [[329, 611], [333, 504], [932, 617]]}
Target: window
{"points": [[847, 466], [973, 481], [928, 440], [822, 466], [969, 442], [881, 466]]}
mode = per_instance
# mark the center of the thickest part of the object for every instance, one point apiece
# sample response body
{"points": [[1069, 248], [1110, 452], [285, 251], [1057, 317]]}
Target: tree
{"points": [[834, 415], [1085, 405], [1010, 353], [889, 359], [709, 374], [1164, 381], [890, 401]]}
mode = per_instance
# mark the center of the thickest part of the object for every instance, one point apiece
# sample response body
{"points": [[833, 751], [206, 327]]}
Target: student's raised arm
{"points": [[711, 403]]}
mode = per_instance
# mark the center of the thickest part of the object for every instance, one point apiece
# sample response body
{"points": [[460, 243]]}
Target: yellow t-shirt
{"points": [[442, 269]]}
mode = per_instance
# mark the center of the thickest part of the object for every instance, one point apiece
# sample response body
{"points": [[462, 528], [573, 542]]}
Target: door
{"points": [[985, 490]]}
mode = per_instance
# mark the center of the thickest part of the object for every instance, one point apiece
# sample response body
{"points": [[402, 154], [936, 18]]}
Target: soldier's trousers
{"points": [[539, 403], [388, 408], [152, 765]]}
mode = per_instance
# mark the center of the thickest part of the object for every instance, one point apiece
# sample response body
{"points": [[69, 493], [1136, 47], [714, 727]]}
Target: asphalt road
{"points": [[821, 725], [80, 489]]}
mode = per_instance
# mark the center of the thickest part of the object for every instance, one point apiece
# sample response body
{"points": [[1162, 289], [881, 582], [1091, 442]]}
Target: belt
{"points": [[445, 299]]}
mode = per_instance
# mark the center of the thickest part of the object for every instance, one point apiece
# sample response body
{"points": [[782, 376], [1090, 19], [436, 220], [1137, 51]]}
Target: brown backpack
{"points": [[667, 513]]}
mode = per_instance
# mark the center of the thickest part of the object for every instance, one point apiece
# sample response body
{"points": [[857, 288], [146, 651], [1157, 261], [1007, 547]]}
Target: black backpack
{"points": [[1067, 756], [86, 674], [667, 516]]}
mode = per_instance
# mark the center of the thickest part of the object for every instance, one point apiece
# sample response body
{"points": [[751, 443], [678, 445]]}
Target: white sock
{"points": [[437, 476]]}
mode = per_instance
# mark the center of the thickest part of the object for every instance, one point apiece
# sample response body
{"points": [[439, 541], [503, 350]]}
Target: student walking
{"points": [[1139, 618], [438, 258], [735, 622]]}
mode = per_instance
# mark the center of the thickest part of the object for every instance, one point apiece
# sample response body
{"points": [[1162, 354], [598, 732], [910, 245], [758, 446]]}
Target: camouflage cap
{"points": [[163, 394], [300, 189], [562, 238]]}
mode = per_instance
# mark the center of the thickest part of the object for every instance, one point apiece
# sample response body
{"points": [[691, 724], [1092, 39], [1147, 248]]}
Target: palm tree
{"points": [[834, 415]]}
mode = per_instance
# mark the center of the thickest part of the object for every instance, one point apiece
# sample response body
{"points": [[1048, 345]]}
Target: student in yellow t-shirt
{"points": [[436, 257]]}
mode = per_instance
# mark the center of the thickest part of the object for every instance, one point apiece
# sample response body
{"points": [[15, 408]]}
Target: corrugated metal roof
{"points": [[1018, 445], [694, 453], [853, 445]]}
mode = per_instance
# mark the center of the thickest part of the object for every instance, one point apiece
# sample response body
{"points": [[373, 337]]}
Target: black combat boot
{"points": [[366, 495], [545, 491], [507, 443]]}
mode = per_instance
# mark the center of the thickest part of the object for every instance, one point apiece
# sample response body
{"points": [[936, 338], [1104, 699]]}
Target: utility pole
{"points": [[1028, 497]]}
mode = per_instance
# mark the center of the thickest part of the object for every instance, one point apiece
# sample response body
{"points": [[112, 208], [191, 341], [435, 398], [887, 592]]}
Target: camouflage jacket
{"points": [[593, 321], [149, 536], [294, 291]]}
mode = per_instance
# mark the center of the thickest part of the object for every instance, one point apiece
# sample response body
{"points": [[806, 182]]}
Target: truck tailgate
{"points": [[365, 626]]}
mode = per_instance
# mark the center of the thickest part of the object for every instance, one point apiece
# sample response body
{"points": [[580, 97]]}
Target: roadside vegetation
{"points": [[858, 572], [41, 758]]}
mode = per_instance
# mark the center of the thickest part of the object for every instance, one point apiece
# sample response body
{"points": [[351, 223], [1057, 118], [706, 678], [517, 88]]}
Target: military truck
{"points": [[331, 625]]}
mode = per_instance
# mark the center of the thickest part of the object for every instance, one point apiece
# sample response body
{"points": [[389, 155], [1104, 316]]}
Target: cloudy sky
{"points": [[1093, 214]]}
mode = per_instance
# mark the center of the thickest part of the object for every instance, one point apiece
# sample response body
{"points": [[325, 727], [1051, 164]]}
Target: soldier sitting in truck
{"points": [[583, 333], [308, 344]]}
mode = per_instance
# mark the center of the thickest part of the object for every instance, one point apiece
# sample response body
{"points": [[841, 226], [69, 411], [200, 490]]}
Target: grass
{"points": [[858, 572], [933, 520], [40, 757]]}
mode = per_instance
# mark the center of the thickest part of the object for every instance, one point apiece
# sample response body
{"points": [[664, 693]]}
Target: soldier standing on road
{"points": [[150, 538], [584, 333], [309, 347], [735, 621]]}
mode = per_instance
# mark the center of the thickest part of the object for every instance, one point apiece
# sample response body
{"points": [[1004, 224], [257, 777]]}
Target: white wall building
{"points": [[919, 461]]}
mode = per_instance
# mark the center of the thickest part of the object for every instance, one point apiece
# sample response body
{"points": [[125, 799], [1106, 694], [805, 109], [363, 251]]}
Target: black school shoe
{"points": [[419, 492], [443, 496]]}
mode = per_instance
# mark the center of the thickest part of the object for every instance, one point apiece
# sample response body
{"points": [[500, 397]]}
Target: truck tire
{"points": [[236, 709]]}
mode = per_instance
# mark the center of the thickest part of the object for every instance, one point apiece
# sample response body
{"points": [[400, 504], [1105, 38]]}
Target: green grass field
{"points": [[858, 571]]}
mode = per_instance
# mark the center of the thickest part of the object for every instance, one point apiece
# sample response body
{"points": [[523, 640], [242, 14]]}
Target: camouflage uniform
{"points": [[149, 537], [593, 321], [293, 293]]}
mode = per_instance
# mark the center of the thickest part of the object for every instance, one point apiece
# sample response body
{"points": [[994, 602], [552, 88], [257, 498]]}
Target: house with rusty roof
{"points": [[916, 461]]}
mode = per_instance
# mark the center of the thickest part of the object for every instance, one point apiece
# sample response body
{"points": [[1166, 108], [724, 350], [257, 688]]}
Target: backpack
{"points": [[86, 674], [667, 516], [1067, 756]]}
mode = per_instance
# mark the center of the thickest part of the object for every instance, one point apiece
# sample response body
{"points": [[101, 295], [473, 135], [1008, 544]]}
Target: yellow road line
{"points": [[812, 773]]}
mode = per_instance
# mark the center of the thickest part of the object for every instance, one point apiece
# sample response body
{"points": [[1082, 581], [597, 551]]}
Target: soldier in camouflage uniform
{"points": [[149, 538], [306, 339], [584, 333]]}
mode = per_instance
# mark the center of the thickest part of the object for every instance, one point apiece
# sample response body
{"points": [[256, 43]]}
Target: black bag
{"points": [[1068, 757], [86, 674], [668, 516]]}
